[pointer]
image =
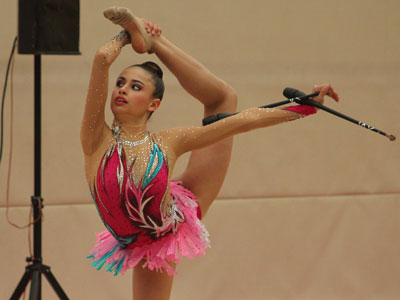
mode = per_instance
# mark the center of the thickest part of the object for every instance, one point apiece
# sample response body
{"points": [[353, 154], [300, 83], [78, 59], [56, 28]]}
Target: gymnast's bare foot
{"points": [[142, 32]]}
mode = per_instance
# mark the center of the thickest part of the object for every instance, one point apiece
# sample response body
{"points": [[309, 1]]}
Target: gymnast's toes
{"points": [[118, 15]]}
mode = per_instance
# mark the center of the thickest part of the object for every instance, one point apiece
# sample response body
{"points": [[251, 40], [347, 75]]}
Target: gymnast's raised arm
{"points": [[93, 122]]}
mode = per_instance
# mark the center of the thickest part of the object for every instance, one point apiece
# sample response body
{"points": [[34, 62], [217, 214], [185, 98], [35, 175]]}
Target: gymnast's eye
{"points": [[136, 87], [119, 83]]}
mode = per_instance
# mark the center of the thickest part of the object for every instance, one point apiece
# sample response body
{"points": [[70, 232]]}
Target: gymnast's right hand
{"points": [[325, 90]]}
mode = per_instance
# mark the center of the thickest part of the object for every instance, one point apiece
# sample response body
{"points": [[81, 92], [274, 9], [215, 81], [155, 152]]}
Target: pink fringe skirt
{"points": [[190, 240]]}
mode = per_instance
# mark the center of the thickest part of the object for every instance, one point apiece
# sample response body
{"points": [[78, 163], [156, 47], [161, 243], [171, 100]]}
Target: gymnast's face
{"points": [[132, 97]]}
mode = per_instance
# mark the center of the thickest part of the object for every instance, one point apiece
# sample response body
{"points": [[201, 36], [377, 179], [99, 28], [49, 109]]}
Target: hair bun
{"points": [[153, 67]]}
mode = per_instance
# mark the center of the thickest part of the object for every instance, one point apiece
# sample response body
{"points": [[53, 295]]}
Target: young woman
{"points": [[150, 219]]}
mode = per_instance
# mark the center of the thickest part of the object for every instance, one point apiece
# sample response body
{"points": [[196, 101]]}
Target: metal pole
{"points": [[36, 200]]}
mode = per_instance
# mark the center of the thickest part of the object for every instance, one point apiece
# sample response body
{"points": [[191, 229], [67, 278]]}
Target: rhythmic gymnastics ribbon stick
{"points": [[301, 98]]}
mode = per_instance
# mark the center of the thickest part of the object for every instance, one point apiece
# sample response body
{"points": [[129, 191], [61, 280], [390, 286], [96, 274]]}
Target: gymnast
{"points": [[150, 219]]}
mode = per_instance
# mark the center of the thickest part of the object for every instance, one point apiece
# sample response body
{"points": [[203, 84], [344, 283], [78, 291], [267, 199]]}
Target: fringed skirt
{"points": [[190, 240]]}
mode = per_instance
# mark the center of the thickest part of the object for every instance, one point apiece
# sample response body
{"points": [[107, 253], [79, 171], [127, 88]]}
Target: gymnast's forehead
{"points": [[136, 73]]}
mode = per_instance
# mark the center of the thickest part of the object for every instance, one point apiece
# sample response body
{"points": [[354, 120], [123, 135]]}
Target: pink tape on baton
{"points": [[302, 109]]}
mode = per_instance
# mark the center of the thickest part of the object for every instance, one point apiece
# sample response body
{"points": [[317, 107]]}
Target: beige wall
{"points": [[259, 47]]}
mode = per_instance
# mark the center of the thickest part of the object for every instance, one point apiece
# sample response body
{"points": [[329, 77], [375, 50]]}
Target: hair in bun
{"points": [[153, 68]]}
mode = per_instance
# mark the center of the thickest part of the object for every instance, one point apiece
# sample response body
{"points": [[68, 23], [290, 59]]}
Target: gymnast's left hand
{"points": [[151, 28], [325, 90]]}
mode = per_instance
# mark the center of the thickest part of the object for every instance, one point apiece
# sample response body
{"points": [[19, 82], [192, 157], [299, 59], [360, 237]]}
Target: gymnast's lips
{"points": [[120, 100]]}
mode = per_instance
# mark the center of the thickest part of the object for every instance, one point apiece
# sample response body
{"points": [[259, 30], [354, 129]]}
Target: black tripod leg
{"points": [[35, 285], [22, 284], [55, 285]]}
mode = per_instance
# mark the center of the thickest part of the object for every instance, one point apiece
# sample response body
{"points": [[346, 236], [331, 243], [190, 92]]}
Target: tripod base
{"points": [[33, 273]]}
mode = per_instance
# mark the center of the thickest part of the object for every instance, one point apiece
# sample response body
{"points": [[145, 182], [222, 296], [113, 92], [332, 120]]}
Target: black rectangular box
{"points": [[48, 26]]}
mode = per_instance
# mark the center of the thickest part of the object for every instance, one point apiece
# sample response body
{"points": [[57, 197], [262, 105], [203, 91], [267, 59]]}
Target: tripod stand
{"points": [[35, 268]]}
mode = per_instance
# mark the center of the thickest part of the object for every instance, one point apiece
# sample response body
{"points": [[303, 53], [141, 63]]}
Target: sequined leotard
{"points": [[130, 206], [146, 216]]}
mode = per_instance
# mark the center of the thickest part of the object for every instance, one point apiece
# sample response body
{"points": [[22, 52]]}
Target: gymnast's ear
{"points": [[154, 104]]}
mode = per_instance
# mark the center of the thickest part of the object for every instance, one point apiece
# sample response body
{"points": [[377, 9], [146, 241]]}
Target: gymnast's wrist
{"points": [[123, 38]]}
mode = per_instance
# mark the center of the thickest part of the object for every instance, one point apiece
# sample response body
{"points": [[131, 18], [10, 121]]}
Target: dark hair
{"points": [[156, 74]]}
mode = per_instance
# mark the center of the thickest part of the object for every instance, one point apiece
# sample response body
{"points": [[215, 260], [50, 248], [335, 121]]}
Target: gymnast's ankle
{"points": [[140, 39]]}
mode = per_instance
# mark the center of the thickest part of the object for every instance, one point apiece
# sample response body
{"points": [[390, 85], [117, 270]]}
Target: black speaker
{"points": [[48, 26]]}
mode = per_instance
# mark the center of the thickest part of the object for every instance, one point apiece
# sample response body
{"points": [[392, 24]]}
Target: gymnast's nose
{"points": [[122, 90]]}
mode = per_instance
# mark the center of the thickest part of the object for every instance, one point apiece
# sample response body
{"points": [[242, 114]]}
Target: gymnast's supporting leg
{"points": [[151, 285]]}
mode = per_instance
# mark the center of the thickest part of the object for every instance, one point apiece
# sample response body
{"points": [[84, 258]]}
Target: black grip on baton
{"points": [[214, 118]]}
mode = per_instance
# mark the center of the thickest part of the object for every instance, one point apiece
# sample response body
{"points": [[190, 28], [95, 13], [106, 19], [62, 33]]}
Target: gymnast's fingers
{"points": [[156, 30], [323, 90], [333, 94], [148, 25]]}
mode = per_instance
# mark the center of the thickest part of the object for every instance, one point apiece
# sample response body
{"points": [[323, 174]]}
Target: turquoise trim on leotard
{"points": [[115, 266], [156, 152]]}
